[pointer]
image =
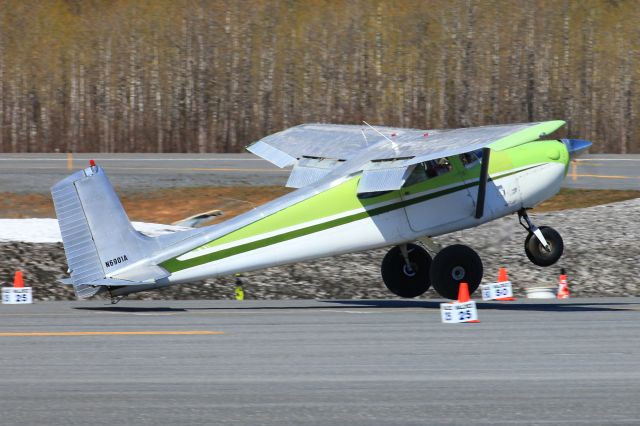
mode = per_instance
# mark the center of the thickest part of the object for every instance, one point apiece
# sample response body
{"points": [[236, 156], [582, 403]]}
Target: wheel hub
{"points": [[458, 273], [409, 270], [544, 251]]}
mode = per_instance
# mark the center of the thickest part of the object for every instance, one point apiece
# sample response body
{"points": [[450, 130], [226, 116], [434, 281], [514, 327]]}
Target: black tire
{"points": [[537, 254], [453, 265], [398, 279]]}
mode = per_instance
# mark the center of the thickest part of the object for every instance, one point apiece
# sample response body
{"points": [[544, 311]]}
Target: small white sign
{"points": [[455, 312], [16, 296], [496, 290]]}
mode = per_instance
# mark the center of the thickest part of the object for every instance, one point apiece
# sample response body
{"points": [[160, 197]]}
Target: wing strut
{"points": [[482, 185]]}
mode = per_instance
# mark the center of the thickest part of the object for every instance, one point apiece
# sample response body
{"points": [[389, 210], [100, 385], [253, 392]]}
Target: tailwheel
{"points": [[541, 255], [405, 270], [453, 265]]}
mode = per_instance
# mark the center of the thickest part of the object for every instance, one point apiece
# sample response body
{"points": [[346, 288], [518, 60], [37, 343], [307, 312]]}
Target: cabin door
{"points": [[436, 198]]}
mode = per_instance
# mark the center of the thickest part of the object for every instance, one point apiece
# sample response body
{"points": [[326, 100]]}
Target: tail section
{"points": [[99, 240]]}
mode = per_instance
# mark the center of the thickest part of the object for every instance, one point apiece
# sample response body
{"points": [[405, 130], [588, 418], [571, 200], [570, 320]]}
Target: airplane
{"points": [[357, 188]]}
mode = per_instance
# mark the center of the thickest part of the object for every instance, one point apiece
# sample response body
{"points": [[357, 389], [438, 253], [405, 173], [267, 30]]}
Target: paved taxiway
{"points": [[134, 172], [315, 362]]}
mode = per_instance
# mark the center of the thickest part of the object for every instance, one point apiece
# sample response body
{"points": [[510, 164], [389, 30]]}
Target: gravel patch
{"points": [[602, 258]]}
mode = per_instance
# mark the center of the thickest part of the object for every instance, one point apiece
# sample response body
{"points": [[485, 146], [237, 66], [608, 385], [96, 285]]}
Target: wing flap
{"points": [[310, 170], [383, 176]]}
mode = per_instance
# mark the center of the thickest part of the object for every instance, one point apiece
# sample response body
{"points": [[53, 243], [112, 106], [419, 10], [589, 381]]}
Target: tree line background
{"points": [[216, 75]]}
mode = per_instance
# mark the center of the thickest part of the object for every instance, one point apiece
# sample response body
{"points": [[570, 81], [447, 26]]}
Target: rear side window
{"points": [[469, 159]]}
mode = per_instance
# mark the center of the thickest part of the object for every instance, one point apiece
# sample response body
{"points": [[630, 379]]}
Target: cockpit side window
{"points": [[428, 170], [469, 159]]}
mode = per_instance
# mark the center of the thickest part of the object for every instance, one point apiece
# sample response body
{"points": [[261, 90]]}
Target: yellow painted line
{"points": [[582, 160], [574, 169], [111, 333], [611, 166], [610, 177]]}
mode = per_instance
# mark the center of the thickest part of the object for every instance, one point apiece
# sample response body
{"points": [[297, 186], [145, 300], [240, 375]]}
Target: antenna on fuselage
{"points": [[393, 144], [366, 142]]}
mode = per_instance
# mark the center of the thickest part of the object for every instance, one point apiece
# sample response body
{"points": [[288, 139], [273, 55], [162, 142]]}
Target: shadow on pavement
{"points": [[133, 309], [250, 305], [505, 306]]}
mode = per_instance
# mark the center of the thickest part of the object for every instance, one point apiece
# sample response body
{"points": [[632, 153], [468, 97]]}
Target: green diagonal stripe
{"points": [[174, 265]]}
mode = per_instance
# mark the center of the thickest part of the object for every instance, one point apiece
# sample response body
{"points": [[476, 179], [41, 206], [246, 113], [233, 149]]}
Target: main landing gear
{"points": [[543, 245], [405, 270], [408, 271], [453, 265]]}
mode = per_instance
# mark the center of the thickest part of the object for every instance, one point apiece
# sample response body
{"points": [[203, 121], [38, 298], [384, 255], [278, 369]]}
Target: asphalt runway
{"points": [[316, 362], [605, 171], [25, 173]]}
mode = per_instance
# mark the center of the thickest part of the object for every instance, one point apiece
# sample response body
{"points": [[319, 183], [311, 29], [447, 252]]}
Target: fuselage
{"points": [[334, 219]]}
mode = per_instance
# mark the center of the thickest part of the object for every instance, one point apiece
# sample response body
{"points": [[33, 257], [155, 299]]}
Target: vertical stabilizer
{"points": [[98, 237]]}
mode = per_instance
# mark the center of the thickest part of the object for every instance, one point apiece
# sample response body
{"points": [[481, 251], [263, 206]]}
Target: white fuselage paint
{"points": [[529, 188], [370, 232]]}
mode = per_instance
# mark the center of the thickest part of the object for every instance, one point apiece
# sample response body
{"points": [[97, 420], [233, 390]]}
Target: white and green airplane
{"points": [[359, 188]]}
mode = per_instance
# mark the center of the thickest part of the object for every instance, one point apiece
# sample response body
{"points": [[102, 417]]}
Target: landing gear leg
{"points": [[543, 246], [430, 244], [526, 223], [404, 251]]}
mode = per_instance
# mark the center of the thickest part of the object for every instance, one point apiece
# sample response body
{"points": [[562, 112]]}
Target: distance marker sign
{"points": [[454, 312], [16, 295], [495, 291]]}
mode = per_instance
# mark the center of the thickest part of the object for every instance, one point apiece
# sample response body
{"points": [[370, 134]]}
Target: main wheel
{"points": [[537, 253], [406, 281], [453, 265]]}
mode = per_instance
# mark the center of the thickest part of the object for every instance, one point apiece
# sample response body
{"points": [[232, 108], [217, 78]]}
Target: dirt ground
{"points": [[161, 206], [170, 205]]}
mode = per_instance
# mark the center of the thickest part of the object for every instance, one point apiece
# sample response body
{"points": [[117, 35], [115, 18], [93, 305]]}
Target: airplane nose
{"points": [[576, 147]]}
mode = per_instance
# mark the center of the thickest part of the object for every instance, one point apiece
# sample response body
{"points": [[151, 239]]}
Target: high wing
{"points": [[385, 159]]}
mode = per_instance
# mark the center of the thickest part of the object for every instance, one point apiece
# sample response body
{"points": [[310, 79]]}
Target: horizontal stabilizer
{"points": [[113, 282]]}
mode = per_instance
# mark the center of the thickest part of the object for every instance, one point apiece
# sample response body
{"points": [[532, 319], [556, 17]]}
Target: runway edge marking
{"points": [[111, 333]]}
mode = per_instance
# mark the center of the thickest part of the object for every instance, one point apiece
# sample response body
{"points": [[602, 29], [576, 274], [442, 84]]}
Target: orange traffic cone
{"points": [[463, 296], [18, 281], [502, 277], [463, 293], [563, 287]]}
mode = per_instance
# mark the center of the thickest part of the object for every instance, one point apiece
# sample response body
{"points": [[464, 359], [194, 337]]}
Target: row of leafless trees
{"points": [[215, 75]]}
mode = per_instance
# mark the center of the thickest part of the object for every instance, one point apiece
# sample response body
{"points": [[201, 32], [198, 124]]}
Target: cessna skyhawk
{"points": [[359, 188]]}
